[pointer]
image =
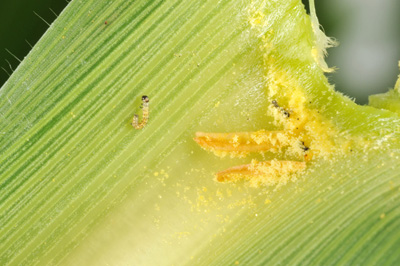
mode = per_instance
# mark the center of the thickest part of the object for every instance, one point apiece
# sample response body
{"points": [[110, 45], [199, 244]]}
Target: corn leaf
{"points": [[80, 186]]}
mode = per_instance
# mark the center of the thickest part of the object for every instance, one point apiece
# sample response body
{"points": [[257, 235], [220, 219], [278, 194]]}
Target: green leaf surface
{"points": [[80, 186]]}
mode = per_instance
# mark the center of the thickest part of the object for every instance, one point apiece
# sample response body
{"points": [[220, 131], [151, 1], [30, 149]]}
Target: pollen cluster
{"points": [[300, 133]]}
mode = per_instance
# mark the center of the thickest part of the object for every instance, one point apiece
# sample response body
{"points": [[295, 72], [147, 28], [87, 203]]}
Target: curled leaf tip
{"points": [[321, 41]]}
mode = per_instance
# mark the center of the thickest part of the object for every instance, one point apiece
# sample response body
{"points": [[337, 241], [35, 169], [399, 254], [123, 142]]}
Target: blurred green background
{"points": [[20, 28], [369, 35], [368, 32]]}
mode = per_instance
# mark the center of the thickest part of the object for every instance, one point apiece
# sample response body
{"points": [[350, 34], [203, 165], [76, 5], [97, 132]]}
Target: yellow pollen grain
{"points": [[235, 139]]}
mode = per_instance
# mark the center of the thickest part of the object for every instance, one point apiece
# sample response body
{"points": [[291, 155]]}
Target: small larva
{"points": [[135, 121], [284, 111]]}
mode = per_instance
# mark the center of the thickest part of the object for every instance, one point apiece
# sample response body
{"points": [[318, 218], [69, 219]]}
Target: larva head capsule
{"points": [[145, 99]]}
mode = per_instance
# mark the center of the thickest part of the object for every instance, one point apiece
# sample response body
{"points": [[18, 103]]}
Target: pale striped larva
{"points": [[145, 109]]}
